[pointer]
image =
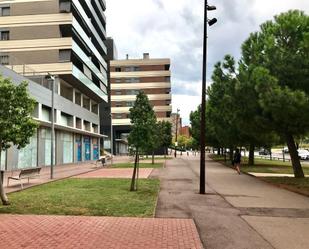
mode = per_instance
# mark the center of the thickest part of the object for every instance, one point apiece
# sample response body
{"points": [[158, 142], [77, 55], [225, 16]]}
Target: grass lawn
{"points": [[294, 184], [89, 197], [265, 166], [141, 165]]}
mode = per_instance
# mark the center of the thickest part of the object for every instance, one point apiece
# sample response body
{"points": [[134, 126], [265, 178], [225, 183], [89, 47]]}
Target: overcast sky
{"points": [[173, 29]]}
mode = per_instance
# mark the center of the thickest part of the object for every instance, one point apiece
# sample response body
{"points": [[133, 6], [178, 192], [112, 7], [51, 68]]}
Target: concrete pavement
{"points": [[237, 212]]}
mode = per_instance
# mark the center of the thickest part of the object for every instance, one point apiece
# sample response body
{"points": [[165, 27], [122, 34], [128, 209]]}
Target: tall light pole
{"points": [[203, 105], [176, 139], [51, 79]]}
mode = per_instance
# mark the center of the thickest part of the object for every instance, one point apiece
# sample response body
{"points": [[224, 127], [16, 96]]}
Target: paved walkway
{"points": [[65, 232], [116, 173], [238, 211]]}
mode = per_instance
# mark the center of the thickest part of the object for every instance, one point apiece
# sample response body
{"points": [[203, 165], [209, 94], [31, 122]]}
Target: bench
{"points": [[25, 174]]}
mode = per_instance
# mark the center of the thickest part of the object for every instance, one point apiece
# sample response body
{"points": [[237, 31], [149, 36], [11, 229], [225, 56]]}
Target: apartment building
{"points": [[128, 78], [64, 38]]}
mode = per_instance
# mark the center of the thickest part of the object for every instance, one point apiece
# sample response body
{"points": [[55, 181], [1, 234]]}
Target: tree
{"points": [[16, 124], [278, 56], [165, 131], [143, 120]]}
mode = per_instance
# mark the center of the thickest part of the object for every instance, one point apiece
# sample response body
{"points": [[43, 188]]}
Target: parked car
{"points": [[264, 152], [303, 154], [286, 150]]}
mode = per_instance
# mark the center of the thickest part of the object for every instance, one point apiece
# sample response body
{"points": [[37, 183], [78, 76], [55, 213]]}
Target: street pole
{"points": [[203, 106], [176, 139], [52, 127]]}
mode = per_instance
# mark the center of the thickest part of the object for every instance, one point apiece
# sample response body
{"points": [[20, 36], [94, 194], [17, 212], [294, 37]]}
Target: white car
{"points": [[303, 154]]}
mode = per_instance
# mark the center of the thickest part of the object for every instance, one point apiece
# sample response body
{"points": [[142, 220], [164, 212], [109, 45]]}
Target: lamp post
{"points": [[203, 105], [176, 139], [51, 79]]}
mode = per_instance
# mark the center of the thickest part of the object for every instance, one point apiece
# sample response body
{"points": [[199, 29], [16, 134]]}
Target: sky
{"points": [[174, 29]]}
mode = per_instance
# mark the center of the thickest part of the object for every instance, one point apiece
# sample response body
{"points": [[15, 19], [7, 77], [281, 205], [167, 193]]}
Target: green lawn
{"points": [[299, 185], [141, 165], [89, 197], [265, 166]]}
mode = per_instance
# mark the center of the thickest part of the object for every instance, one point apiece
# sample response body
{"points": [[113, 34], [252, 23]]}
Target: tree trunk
{"points": [[4, 198], [298, 171], [134, 172], [251, 155], [165, 152], [153, 158], [219, 151], [225, 155]]}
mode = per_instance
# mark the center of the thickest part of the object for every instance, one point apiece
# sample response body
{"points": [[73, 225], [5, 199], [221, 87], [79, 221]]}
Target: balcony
{"points": [[83, 36], [89, 24], [86, 60], [89, 84]]}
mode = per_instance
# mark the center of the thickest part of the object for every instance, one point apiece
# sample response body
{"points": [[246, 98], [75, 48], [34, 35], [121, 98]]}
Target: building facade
{"points": [[64, 38], [128, 78]]}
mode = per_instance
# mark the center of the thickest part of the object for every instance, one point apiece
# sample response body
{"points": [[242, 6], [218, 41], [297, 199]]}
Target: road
{"points": [[237, 211]]}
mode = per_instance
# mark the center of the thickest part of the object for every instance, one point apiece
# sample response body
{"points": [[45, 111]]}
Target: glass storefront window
{"points": [[46, 144], [67, 143], [27, 157]]}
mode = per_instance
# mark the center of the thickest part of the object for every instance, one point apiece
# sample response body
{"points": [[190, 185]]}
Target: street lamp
{"points": [[203, 106], [51, 78], [176, 139]]}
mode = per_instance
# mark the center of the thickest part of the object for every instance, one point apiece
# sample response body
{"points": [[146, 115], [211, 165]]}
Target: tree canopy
{"points": [[246, 101], [16, 123]]}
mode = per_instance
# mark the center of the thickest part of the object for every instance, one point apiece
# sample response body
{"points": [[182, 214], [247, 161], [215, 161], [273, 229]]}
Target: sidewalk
{"points": [[238, 211], [69, 232]]}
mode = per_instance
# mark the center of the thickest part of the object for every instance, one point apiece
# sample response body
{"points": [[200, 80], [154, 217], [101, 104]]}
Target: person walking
{"points": [[237, 160]]}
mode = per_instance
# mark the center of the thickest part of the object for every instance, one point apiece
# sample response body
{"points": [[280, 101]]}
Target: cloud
{"points": [[159, 3]]}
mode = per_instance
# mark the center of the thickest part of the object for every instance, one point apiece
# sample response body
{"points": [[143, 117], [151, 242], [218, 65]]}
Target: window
{"points": [[87, 72], [4, 59], [132, 92], [64, 55], [118, 80], [118, 69], [132, 69], [5, 11], [118, 104], [132, 80], [118, 93], [168, 79], [5, 35], [65, 6], [130, 104], [118, 116]]}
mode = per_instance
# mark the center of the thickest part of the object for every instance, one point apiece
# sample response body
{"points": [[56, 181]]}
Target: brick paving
{"points": [[66, 232], [115, 173]]}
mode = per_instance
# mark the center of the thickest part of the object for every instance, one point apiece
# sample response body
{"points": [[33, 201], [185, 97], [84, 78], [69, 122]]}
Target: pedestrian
{"points": [[237, 160]]}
